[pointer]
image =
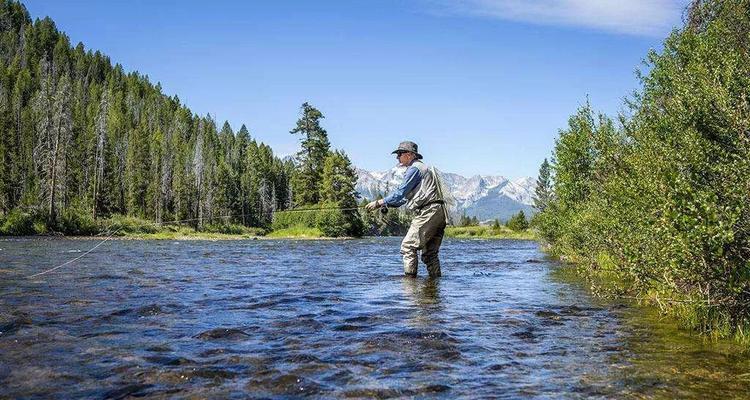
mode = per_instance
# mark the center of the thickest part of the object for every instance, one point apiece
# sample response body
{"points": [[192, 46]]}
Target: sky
{"points": [[482, 86]]}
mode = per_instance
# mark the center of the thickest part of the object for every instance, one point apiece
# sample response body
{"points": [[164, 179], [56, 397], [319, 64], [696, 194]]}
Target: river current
{"points": [[332, 319]]}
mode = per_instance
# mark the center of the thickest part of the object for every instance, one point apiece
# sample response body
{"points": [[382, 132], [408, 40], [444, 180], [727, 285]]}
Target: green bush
{"points": [[663, 202], [518, 222], [234, 229], [336, 223], [77, 221], [124, 224], [296, 232], [332, 222], [19, 223], [289, 218]]}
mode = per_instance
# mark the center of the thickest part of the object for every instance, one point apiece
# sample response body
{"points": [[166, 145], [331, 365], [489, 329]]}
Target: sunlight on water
{"points": [[331, 319]]}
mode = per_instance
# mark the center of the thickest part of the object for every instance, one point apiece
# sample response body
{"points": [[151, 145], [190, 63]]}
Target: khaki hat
{"points": [[407, 146]]}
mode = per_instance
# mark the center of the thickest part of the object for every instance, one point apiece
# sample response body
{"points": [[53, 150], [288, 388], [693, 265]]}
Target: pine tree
{"points": [[518, 222], [338, 190], [339, 179], [315, 149], [239, 166], [99, 156], [573, 158], [198, 167], [45, 155], [542, 192]]}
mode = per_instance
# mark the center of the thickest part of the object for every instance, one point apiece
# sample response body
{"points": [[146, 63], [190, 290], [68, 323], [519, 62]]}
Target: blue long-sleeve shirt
{"points": [[397, 198]]}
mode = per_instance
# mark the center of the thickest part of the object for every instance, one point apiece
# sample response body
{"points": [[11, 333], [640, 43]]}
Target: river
{"points": [[332, 319]]}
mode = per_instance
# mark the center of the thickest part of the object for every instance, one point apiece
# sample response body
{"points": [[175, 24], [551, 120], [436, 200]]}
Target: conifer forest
{"points": [[82, 140]]}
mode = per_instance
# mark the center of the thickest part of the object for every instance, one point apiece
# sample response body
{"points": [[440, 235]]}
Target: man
{"points": [[420, 191]]}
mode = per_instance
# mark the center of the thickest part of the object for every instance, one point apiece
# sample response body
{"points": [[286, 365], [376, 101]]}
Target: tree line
{"points": [[82, 139], [657, 201]]}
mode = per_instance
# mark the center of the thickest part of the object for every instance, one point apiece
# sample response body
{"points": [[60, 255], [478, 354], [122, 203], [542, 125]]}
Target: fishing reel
{"points": [[384, 209]]}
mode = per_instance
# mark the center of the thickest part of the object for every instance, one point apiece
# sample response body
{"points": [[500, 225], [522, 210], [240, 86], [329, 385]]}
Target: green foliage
{"points": [[338, 180], [19, 223], [487, 232], [338, 191], [291, 218], [336, 223], [129, 225], [324, 217], [543, 190], [468, 221], [518, 222], [665, 198], [336, 216], [78, 221], [79, 135], [296, 232], [234, 229], [315, 148]]}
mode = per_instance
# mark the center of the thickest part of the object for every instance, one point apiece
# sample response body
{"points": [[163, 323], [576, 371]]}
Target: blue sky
{"points": [[482, 86]]}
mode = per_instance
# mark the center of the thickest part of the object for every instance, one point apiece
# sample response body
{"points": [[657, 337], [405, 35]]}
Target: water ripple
{"points": [[328, 319]]}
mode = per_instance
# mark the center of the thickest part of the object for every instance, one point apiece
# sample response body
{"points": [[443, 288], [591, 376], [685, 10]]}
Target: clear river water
{"points": [[332, 319]]}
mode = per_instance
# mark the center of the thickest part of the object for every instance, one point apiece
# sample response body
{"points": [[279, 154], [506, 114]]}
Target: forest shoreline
{"points": [[182, 235]]}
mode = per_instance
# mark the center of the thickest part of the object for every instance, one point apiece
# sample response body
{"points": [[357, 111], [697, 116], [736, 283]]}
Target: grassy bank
{"points": [[605, 279], [184, 233], [296, 232], [488, 232], [82, 225]]}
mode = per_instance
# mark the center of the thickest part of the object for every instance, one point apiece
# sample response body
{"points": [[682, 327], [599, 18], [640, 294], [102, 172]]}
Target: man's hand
{"points": [[373, 205]]}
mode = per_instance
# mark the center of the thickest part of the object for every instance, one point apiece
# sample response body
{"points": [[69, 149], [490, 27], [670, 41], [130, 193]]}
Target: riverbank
{"points": [[291, 233], [488, 232], [692, 315], [139, 229]]}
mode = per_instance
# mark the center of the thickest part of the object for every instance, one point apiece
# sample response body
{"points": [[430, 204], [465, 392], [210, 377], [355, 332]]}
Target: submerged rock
{"points": [[222, 333]]}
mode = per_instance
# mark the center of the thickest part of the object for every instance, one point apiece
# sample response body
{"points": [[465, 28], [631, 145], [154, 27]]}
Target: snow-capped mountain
{"points": [[485, 197]]}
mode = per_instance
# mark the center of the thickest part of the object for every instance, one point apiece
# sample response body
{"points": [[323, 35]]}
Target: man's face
{"points": [[404, 157]]}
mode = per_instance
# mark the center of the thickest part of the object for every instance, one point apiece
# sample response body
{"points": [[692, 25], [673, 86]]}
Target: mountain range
{"points": [[486, 197]]}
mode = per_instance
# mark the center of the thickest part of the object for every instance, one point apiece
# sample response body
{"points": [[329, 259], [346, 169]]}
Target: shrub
{"points": [[665, 197], [234, 229], [78, 221], [325, 217], [125, 224], [518, 222], [19, 223]]}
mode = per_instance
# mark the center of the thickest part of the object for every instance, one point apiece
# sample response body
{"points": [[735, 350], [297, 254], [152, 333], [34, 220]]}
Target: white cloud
{"points": [[633, 17]]}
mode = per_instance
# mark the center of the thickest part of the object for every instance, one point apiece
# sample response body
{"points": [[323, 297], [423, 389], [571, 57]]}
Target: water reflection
{"points": [[422, 292]]}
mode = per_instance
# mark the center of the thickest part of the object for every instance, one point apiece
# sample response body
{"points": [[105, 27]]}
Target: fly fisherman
{"points": [[420, 191]]}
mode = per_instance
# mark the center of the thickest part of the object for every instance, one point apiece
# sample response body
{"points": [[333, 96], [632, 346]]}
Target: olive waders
{"points": [[428, 225], [425, 234]]}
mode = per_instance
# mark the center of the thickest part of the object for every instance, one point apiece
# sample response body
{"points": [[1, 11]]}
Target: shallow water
{"points": [[331, 319]]}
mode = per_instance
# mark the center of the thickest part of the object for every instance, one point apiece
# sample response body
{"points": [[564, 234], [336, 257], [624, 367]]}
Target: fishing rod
{"points": [[383, 209]]}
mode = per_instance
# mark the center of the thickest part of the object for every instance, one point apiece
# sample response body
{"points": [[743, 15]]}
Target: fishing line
{"points": [[75, 259], [112, 233]]}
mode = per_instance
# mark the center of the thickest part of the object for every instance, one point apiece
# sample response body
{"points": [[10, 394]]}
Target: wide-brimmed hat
{"points": [[407, 146]]}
